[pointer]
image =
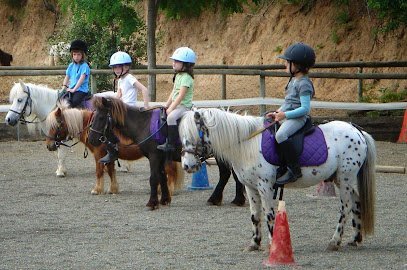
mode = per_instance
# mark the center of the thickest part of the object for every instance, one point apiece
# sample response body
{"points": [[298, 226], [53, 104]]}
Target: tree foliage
{"points": [[107, 26], [393, 12], [177, 9]]}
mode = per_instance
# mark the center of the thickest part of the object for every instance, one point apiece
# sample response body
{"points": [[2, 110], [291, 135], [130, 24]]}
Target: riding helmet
{"points": [[299, 53], [184, 54], [120, 58], [79, 45]]}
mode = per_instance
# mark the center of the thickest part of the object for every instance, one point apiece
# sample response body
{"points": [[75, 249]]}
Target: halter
{"points": [[201, 151], [22, 113]]}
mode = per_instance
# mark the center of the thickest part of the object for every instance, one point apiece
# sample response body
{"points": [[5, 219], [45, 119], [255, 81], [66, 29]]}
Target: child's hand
{"points": [[278, 116]]}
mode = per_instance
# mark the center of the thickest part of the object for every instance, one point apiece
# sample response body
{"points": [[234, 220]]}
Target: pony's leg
{"points": [[61, 154], [255, 210], [356, 217], [239, 199], [114, 186], [224, 175], [345, 195], [99, 186], [158, 177], [268, 205]]}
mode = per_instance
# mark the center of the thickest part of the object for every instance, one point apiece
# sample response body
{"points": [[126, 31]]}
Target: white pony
{"points": [[31, 103], [350, 158]]}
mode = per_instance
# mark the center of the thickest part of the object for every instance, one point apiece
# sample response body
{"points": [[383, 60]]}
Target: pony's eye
{"points": [[20, 100]]}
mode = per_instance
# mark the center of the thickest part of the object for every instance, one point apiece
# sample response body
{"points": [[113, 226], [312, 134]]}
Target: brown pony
{"points": [[66, 123]]}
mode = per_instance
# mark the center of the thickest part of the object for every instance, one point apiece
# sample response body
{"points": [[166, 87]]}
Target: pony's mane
{"points": [[73, 118], [118, 108], [228, 133]]}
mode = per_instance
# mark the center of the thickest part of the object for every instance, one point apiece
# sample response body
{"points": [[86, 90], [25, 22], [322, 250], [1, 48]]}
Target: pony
{"points": [[66, 123], [350, 160], [31, 103], [5, 58], [134, 125]]}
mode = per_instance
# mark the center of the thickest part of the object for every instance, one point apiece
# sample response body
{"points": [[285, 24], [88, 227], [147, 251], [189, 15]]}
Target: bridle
{"points": [[102, 133], [59, 140], [201, 151], [22, 113]]}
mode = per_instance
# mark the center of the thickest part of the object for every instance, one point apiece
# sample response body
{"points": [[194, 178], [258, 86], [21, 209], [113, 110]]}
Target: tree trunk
{"points": [[151, 48]]}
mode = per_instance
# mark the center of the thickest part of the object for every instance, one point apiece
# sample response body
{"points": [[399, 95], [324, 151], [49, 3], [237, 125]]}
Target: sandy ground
{"points": [[54, 223]]}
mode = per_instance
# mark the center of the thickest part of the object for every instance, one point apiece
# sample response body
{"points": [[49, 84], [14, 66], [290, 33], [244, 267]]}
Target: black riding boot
{"points": [[172, 138], [292, 159], [112, 153]]}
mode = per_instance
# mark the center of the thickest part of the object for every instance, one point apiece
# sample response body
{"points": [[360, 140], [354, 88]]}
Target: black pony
{"points": [[5, 58], [135, 124]]}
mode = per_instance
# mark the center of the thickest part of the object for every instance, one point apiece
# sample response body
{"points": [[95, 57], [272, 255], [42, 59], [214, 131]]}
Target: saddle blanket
{"points": [[155, 127], [314, 153]]}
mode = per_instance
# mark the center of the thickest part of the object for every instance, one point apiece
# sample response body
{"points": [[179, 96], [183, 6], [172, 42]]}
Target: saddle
{"points": [[158, 125], [309, 143]]}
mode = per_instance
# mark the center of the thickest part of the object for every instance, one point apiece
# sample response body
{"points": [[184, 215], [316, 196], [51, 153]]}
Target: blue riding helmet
{"points": [[120, 58], [184, 54]]}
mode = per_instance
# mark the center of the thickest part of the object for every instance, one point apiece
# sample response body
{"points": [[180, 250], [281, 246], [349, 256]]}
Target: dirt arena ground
{"points": [[55, 223]]}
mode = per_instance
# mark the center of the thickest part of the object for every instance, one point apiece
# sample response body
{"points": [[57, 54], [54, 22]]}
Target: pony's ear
{"points": [[107, 102], [197, 117], [23, 86], [58, 112]]}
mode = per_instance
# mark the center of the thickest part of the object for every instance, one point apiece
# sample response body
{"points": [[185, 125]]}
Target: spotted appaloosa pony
{"points": [[350, 156], [66, 123]]}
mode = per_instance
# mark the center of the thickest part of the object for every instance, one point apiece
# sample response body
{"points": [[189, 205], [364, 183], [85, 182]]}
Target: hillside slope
{"points": [[255, 37]]}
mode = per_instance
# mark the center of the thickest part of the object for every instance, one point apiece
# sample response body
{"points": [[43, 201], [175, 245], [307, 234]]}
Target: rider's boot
{"points": [[112, 153], [293, 166], [172, 138]]}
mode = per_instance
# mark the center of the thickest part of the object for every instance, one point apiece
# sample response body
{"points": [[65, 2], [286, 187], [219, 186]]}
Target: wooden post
{"points": [[360, 85], [262, 93], [93, 84], [223, 83]]}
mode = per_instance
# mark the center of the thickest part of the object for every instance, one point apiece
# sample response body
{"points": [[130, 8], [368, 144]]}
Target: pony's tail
{"points": [[175, 176], [367, 187]]}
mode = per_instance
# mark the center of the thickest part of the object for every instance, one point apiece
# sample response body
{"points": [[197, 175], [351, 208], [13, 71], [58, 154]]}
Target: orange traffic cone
{"points": [[403, 132], [281, 251]]}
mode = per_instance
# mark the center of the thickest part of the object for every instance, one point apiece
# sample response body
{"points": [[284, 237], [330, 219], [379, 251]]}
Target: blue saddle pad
{"points": [[315, 151]]}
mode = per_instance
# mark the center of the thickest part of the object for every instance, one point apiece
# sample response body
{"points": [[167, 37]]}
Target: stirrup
{"points": [[289, 177], [166, 147], [109, 157]]}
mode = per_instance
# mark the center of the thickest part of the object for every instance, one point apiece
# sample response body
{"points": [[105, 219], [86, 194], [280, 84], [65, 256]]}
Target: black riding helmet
{"points": [[300, 54], [79, 45]]}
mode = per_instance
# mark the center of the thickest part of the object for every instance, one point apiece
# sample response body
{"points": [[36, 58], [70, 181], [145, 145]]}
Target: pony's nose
{"points": [[10, 121], [51, 147]]}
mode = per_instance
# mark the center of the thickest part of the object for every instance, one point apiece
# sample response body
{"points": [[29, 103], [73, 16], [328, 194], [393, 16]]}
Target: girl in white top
{"points": [[127, 90]]}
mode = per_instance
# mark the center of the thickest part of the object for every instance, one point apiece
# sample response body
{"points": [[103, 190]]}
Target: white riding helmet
{"points": [[184, 54], [120, 58]]}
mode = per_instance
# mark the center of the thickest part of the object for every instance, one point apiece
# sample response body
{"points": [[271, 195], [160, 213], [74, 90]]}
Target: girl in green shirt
{"points": [[180, 99]]}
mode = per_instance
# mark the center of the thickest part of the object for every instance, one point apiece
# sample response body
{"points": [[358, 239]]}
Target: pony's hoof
{"points": [[95, 192], [165, 201], [352, 244], [152, 205], [214, 202], [238, 202], [332, 246], [252, 248]]}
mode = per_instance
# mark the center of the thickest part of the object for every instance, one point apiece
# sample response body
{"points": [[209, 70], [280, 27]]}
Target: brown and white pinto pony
{"points": [[66, 123]]}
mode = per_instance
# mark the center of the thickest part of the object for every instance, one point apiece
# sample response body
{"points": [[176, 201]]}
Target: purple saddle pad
{"points": [[155, 127], [314, 153]]}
